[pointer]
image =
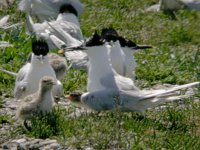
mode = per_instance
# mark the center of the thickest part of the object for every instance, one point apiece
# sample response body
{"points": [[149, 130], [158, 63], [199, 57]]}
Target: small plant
{"points": [[47, 125]]}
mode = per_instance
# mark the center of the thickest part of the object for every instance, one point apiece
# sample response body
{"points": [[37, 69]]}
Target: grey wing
{"points": [[125, 83], [117, 81], [130, 101], [99, 100], [30, 98], [21, 85], [20, 88], [113, 100], [109, 82], [78, 59], [72, 29], [28, 106], [23, 72]]}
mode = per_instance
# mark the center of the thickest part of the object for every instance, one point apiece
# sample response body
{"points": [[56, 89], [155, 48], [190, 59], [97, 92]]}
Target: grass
{"points": [[174, 59]]}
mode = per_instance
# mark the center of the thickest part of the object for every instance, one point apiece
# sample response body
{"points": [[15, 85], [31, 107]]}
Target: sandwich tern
{"points": [[29, 75], [127, 101], [100, 72], [106, 88]]}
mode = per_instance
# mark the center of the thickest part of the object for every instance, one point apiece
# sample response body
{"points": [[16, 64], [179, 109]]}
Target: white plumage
{"points": [[65, 23], [47, 9], [101, 75], [130, 101], [107, 90], [28, 77]]}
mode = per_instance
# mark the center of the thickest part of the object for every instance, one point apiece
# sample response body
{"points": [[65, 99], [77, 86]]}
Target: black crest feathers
{"points": [[68, 8], [109, 34], [94, 40], [40, 48]]}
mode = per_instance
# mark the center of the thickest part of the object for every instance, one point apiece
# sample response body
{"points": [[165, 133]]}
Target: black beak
{"points": [[76, 48], [141, 47]]}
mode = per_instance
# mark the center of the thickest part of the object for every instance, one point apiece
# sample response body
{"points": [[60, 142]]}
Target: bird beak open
{"points": [[141, 47]]}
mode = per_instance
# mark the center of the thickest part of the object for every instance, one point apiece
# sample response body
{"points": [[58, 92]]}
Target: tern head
{"points": [[40, 49], [68, 8], [75, 97], [47, 82], [109, 34], [94, 40]]}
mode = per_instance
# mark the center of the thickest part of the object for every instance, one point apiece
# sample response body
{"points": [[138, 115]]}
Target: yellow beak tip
{"points": [[61, 51]]}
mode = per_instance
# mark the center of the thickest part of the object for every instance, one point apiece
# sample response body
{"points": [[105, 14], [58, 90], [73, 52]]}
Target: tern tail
{"points": [[160, 97], [170, 91], [8, 72]]}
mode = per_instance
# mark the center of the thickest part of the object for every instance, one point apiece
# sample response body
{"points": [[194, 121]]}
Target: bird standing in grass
{"points": [[100, 72], [39, 102], [28, 77], [107, 89], [128, 101]]}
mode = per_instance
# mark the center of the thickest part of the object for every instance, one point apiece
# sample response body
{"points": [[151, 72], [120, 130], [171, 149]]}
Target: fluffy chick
{"points": [[41, 101]]}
